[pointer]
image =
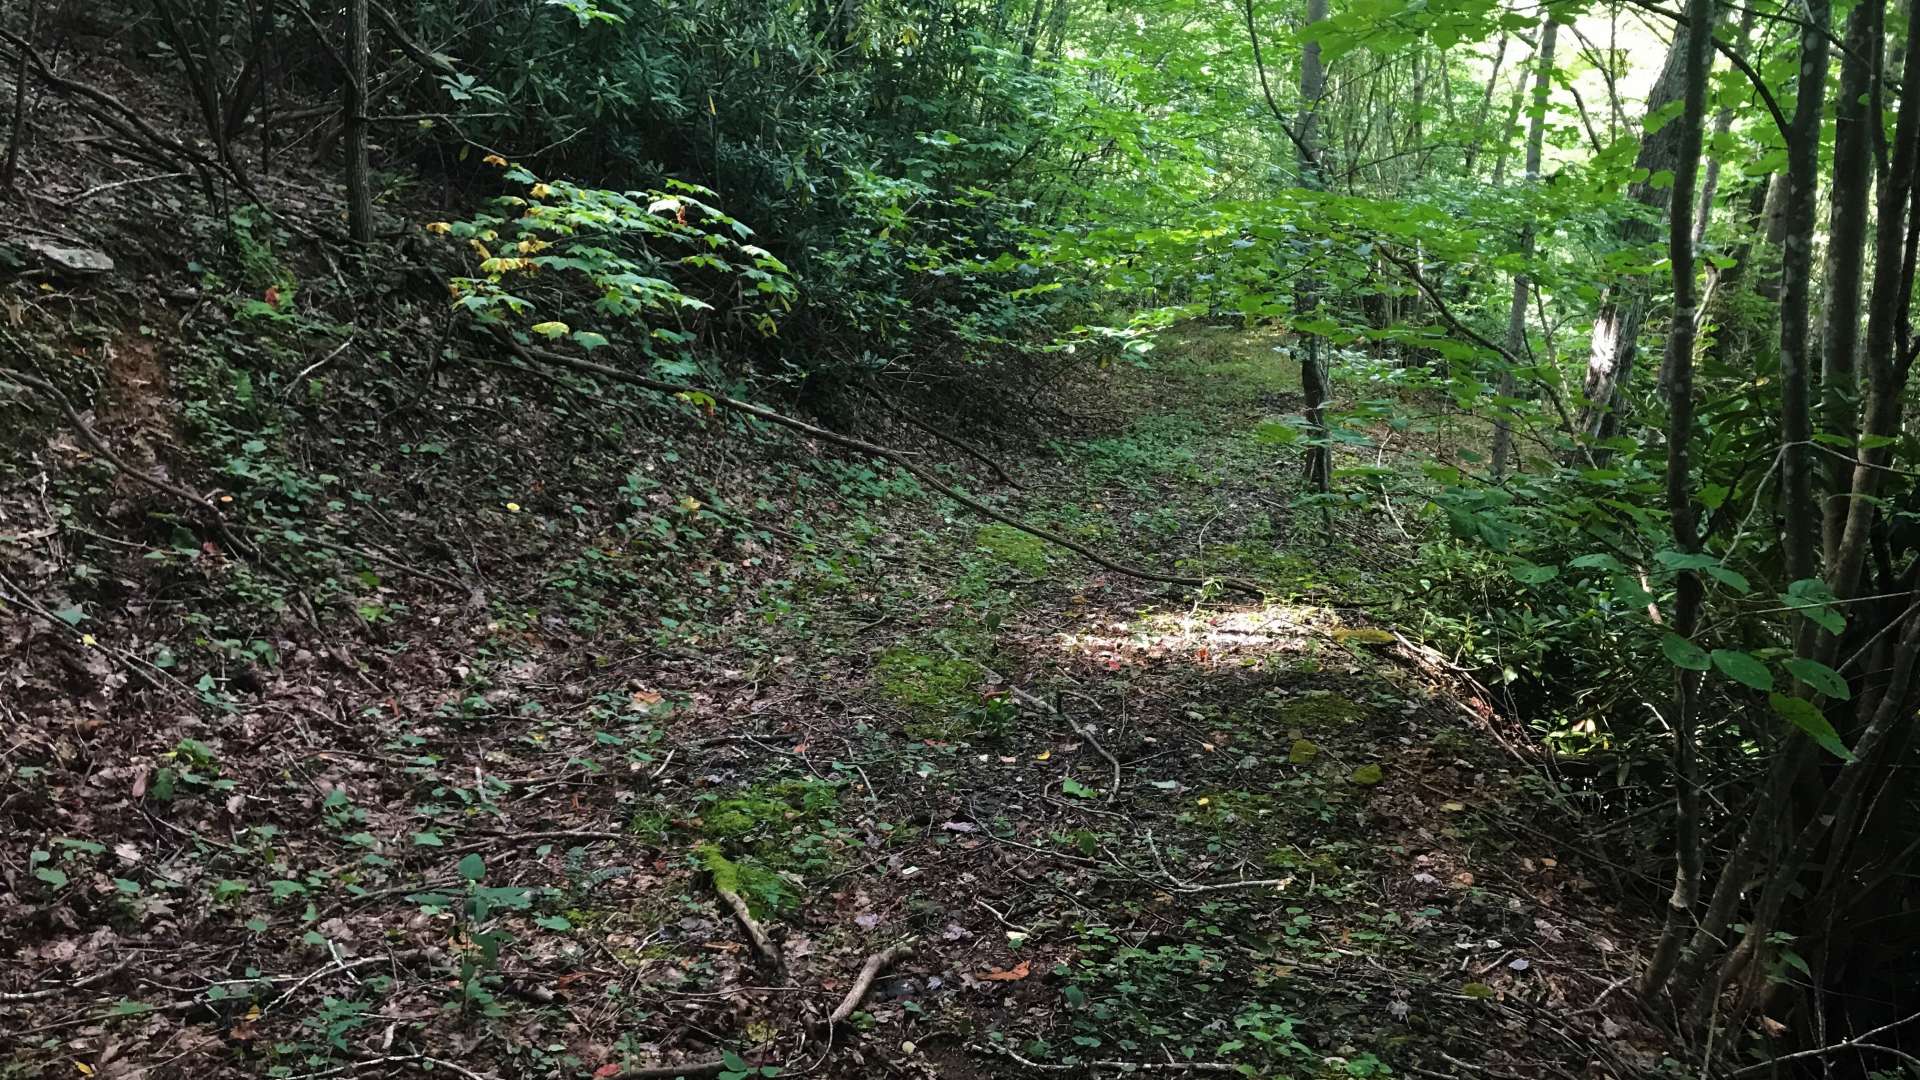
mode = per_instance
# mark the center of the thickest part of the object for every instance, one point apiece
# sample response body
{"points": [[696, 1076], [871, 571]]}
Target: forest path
{"points": [[1119, 824], [1124, 826]]}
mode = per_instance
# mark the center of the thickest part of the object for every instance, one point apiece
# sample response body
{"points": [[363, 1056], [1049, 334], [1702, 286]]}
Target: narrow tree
{"points": [[1697, 39], [359, 187], [1523, 282]]}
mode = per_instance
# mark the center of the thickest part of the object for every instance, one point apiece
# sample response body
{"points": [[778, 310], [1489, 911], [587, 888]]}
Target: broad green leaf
{"points": [[473, 867], [1819, 676], [1802, 714], [1684, 653], [1743, 669]]}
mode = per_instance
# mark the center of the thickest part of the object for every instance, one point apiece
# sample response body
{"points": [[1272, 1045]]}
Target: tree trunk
{"points": [[359, 187], [1678, 375], [1516, 342], [9, 170], [1799, 214], [1856, 118], [1313, 376]]}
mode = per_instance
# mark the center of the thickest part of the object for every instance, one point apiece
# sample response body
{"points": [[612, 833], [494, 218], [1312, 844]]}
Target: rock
{"points": [[77, 261]]}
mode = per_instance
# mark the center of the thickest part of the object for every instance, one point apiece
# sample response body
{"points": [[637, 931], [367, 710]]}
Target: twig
{"points": [[1132, 1066], [56, 991], [1048, 708], [1858, 1042], [104, 188]]}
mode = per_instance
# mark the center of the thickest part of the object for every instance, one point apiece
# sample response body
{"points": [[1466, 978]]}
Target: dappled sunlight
{"points": [[1242, 634]]}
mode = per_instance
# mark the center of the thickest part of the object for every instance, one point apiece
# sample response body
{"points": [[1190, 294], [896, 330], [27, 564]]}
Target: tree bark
{"points": [[1856, 119], [359, 184], [1799, 214]]}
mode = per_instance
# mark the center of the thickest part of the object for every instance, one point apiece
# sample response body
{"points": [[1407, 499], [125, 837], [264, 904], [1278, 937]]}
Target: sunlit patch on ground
{"points": [[1245, 634]]}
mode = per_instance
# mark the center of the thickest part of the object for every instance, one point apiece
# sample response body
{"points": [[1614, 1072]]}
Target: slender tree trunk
{"points": [[1313, 375], [1856, 118], [1516, 342], [359, 185], [1722, 127], [9, 171], [1687, 872], [1486, 109], [1799, 214]]}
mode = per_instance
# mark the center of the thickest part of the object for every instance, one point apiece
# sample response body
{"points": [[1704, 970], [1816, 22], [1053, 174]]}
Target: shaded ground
{"points": [[471, 815]]}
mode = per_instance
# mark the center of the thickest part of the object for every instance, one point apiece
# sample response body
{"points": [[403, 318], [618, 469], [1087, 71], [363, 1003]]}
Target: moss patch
{"points": [[1011, 546], [926, 683], [1319, 709]]}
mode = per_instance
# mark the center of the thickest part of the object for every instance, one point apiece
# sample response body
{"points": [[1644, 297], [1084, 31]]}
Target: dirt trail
{"points": [[1120, 825]]}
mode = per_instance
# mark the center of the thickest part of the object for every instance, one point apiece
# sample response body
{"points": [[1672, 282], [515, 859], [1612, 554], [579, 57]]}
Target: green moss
{"points": [[763, 889], [1011, 546], [925, 683], [1319, 709]]}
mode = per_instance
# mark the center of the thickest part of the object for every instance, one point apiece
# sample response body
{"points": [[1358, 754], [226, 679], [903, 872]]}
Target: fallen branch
{"points": [[66, 988], [925, 475], [756, 933], [875, 964], [93, 439], [955, 441]]}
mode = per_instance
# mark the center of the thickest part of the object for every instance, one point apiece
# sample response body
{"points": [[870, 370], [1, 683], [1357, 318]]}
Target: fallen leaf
{"points": [[1013, 974]]}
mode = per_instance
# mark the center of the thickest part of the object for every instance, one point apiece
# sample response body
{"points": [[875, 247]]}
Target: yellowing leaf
{"points": [[513, 508], [551, 329], [540, 191], [88, 639], [439, 227], [495, 159]]}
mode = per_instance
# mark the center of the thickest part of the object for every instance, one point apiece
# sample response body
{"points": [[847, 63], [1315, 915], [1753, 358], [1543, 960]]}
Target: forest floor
{"points": [[477, 812]]}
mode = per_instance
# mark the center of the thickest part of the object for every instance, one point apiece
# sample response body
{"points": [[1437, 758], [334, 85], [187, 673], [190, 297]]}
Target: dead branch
{"points": [[875, 964], [756, 934], [955, 441], [924, 474]]}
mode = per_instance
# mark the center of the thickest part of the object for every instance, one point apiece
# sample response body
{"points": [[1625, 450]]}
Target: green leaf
{"points": [[1077, 789], [588, 340], [1802, 714], [1743, 669], [55, 878], [1366, 775], [1684, 653], [1729, 578], [71, 614], [473, 867], [1819, 676], [1531, 574], [427, 839], [553, 922]]}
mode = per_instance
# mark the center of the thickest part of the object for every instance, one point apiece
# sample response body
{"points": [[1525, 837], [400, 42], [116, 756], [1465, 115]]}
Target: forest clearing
{"points": [[591, 538]]}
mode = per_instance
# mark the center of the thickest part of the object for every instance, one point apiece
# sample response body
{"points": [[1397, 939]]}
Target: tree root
{"points": [[925, 475]]}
